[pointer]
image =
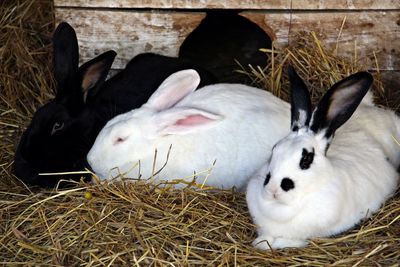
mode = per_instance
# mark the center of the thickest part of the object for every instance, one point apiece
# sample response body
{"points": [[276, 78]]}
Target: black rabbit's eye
{"points": [[56, 127]]}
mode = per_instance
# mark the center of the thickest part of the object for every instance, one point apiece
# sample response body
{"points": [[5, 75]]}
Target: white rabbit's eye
{"points": [[119, 140], [57, 127]]}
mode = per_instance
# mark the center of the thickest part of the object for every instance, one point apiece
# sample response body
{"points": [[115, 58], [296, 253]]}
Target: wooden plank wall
{"points": [[235, 4], [134, 26]]}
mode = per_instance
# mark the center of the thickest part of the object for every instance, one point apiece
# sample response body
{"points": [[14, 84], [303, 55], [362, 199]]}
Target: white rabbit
{"points": [[232, 125], [318, 183]]}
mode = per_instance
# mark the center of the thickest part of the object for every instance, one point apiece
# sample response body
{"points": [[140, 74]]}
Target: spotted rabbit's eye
{"points": [[57, 127], [267, 177]]}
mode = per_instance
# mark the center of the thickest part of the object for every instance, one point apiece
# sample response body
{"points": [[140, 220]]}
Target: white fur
{"points": [[354, 179], [242, 125]]}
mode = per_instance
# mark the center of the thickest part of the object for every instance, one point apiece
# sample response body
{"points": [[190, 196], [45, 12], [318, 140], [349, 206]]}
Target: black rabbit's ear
{"points": [[66, 56], [300, 100], [339, 103], [94, 72]]}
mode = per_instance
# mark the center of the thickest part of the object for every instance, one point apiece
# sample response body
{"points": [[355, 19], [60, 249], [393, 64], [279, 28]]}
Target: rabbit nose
{"points": [[89, 162], [273, 193]]}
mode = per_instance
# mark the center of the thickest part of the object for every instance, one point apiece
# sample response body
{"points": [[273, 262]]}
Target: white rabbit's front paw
{"points": [[281, 242], [268, 242], [263, 242]]}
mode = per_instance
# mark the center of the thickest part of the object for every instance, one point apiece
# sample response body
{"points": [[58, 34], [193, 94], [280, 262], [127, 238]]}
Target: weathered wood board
{"points": [[129, 32], [373, 33], [235, 4], [133, 31]]}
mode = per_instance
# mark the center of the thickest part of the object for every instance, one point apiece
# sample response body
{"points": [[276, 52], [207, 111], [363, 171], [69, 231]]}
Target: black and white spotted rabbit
{"points": [[333, 169]]}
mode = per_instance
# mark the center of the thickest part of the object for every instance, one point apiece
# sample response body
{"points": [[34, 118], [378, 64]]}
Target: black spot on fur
{"points": [[327, 147], [287, 184], [266, 181], [306, 159]]}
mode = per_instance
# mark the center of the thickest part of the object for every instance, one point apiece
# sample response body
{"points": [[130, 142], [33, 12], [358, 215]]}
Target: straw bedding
{"points": [[141, 224]]}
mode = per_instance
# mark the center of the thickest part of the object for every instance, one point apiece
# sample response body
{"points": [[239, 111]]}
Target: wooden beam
{"points": [[235, 4], [129, 33], [134, 32]]}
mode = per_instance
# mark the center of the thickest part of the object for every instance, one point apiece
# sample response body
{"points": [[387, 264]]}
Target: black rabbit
{"points": [[62, 131], [222, 38]]}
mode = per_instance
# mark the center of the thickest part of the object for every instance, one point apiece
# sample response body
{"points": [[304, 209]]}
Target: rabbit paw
{"points": [[281, 242], [263, 242], [268, 242]]}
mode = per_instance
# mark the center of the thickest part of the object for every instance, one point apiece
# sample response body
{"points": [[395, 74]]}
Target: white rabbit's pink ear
{"points": [[173, 89], [185, 120]]}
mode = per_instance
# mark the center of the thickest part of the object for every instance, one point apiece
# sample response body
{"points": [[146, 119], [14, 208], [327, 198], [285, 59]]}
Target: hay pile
{"points": [[139, 224], [26, 80]]}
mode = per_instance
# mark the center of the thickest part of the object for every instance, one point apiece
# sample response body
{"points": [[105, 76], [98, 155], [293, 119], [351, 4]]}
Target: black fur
{"points": [[287, 184], [267, 178], [335, 107], [352, 90], [300, 100], [307, 159], [66, 57], [227, 37]]}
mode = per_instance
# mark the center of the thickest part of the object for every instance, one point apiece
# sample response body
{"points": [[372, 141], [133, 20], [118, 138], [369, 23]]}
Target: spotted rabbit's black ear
{"points": [[339, 103], [300, 99]]}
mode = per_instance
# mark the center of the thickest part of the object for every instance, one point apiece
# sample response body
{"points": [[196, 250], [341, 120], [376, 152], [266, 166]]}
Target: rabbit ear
{"points": [[66, 56], [185, 120], [173, 89], [94, 72], [300, 100], [339, 103]]}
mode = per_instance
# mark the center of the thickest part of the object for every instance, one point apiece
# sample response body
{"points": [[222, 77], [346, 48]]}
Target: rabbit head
{"points": [[298, 162], [59, 134]]}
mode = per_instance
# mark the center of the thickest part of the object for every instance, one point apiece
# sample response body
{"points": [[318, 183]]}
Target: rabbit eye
{"points": [[267, 177], [306, 159], [57, 127], [120, 140]]}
